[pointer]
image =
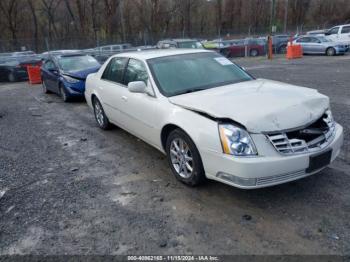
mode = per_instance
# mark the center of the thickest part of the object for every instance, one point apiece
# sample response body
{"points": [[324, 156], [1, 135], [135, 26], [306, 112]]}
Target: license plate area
{"points": [[319, 161]]}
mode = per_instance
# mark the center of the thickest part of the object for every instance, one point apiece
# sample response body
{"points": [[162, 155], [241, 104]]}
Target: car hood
{"points": [[260, 105], [82, 74]]}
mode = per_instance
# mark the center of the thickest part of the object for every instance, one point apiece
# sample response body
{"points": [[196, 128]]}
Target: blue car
{"points": [[65, 74]]}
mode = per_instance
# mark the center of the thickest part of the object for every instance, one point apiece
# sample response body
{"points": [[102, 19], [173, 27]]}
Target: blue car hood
{"points": [[82, 74]]}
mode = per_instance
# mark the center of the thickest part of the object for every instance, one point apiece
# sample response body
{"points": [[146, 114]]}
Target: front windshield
{"points": [[185, 73], [77, 63], [190, 44]]}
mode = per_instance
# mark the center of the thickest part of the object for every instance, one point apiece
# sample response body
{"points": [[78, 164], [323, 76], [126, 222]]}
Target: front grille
{"points": [[312, 138], [280, 178]]}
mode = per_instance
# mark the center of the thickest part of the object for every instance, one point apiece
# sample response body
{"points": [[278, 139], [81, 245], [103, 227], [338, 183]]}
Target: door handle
{"points": [[125, 98]]}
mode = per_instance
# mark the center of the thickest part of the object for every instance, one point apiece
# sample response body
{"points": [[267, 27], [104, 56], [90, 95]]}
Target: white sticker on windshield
{"points": [[223, 61]]}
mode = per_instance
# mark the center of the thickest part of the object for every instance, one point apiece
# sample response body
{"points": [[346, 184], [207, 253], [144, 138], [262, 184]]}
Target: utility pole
{"points": [[272, 29], [121, 11], [272, 17], [285, 16]]}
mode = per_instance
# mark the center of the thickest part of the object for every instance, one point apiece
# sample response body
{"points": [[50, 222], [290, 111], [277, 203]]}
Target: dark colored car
{"points": [[244, 47], [179, 43], [14, 69], [279, 43], [65, 74]]}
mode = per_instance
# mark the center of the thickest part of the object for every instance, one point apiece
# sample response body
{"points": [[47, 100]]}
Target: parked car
{"points": [[340, 34], [279, 43], [48, 54], [179, 43], [320, 45], [317, 32], [23, 53], [65, 74], [243, 47], [205, 113], [113, 48], [14, 69]]}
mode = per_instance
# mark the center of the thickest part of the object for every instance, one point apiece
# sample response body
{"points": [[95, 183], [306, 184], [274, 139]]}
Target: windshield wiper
{"points": [[192, 90]]}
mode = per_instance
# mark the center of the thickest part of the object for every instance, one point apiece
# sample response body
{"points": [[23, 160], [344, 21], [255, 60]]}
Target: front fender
{"points": [[202, 130]]}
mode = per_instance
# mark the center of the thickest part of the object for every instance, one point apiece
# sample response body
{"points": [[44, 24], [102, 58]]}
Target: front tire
{"points": [[184, 159], [11, 77], [63, 94], [330, 51], [45, 90], [100, 115]]}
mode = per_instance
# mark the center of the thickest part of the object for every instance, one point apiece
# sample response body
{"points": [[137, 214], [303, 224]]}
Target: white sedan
{"points": [[213, 120]]}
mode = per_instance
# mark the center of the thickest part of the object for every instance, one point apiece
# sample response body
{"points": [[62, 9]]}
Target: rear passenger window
{"points": [[135, 71], [115, 70], [303, 40], [345, 30]]}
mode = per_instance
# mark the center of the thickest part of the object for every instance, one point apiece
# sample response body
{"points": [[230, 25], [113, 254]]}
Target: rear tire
{"points": [[100, 116], [330, 51], [253, 53], [184, 159], [282, 49]]}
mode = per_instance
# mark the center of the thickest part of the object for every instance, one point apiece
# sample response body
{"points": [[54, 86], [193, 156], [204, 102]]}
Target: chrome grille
{"points": [[289, 143], [280, 178]]}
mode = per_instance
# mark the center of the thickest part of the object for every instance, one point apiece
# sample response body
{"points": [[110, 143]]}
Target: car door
{"points": [[304, 42], [50, 75], [139, 109], [315, 46], [111, 88], [345, 34]]}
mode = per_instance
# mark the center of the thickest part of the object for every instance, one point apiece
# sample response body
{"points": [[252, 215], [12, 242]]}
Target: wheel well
{"points": [[330, 47], [165, 133], [93, 96]]}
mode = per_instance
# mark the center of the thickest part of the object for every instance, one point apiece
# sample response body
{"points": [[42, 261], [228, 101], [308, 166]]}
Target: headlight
{"points": [[71, 79], [236, 141], [329, 117]]}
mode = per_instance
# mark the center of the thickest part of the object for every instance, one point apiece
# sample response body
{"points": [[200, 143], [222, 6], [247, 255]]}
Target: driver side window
{"points": [[135, 71], [334, 31], [49, 65]]}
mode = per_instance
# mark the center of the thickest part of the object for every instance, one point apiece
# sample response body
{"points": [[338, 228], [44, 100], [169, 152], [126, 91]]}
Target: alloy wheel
{"points": [[181, 157], [99, 113]]}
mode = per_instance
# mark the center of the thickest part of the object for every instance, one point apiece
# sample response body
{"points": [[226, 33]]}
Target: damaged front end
{"points": [[310, 138]]}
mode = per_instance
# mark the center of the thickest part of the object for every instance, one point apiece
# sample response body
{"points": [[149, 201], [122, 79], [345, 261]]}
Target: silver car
{"points": [[320, 45]]}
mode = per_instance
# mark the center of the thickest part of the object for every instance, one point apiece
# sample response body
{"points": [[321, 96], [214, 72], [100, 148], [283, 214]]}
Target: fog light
{"points": [[237, 180]]}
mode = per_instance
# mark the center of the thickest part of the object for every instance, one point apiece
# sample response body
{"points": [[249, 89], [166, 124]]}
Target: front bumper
{"points": [[75, 89], [268, 169], [341, 50]]}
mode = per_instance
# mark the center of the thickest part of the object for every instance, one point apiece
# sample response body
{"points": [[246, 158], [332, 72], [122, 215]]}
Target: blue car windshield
{"points": [[77, 63]]}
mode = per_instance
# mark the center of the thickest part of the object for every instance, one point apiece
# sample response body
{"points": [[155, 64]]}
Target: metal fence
{"points": [[145, 38]]}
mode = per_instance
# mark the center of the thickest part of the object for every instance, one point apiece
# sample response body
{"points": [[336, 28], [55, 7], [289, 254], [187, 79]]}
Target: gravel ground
{"points": [[67, 187]]}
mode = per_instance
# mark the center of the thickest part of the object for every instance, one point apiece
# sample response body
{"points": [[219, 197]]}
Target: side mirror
{"points": [[327, 33], [54, 71], [137, 87]]}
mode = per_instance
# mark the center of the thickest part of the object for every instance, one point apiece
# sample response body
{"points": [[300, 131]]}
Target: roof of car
{"points": [[149, 54], [179, 40]]}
